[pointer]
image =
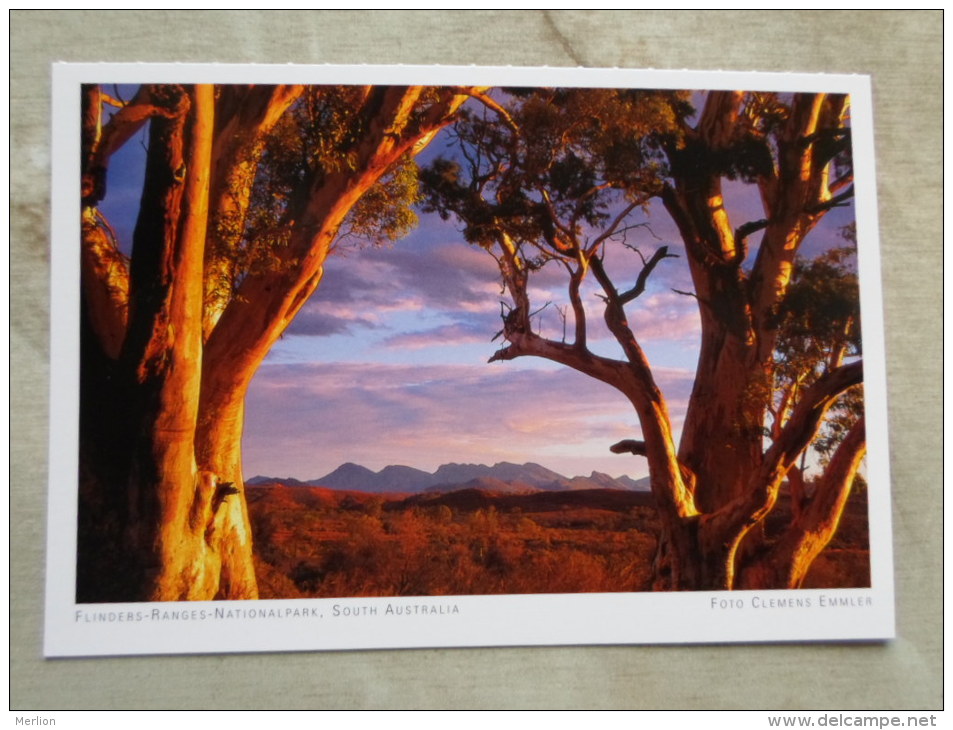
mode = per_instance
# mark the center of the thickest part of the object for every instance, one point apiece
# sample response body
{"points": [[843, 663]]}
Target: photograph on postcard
{"points": [[397, 346]]}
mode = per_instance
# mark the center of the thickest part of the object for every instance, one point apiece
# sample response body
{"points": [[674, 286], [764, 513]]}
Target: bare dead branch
{"points": [[608, 232], [629, 446], [686, 293], [645, 261], [534, 313], [746, 229], [639, 288]]}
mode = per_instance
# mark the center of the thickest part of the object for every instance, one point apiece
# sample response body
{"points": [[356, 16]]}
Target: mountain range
{"points": [[501, 477]]}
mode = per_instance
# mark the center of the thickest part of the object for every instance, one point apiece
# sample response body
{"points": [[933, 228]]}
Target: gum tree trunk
{"points": [[168, 351], [714, 489], [163, 352]]}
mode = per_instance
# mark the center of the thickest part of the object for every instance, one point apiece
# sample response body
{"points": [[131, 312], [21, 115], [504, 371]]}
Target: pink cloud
{"points": [[304, 420], [452, 334]]}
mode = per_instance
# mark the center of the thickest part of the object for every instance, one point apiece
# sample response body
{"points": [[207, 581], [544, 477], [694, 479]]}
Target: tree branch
{"points": [[528, 344], [115, 133], [717, 124], [112, 101], [797, 204], [686, 293], [578, 309], [266, 302], [639, 288], [814, 526], [567, 249], [244, 116], [491, 103], [831, 203], [735, 520], [805, 419], [741, 234], [438, 116], [105, 279], [629, 446], [617, 221], [638, 448]]}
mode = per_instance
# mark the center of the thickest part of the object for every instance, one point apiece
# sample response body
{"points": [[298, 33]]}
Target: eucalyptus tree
{"points": [[247, 189], [563, 178]]}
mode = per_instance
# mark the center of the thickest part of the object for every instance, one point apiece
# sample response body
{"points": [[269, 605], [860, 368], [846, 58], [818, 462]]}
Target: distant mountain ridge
{"points": [[501, 477]]}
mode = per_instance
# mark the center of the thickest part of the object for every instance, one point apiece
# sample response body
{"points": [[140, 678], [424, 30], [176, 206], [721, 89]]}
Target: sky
{"points": [[387, 362]]}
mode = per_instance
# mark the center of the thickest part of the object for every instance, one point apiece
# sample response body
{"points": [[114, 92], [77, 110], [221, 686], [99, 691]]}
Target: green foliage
{"points": [[385, 213], [749, 153], [564, 162], [746, 158], [765, 113], [315, 139], [819, 316], [818, 326]]}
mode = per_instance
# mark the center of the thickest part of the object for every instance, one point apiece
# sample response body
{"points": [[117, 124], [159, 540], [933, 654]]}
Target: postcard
{"points": [[392, 357]]}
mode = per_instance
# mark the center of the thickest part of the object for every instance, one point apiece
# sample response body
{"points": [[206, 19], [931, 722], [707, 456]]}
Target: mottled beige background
{"points": [[901, 50]]}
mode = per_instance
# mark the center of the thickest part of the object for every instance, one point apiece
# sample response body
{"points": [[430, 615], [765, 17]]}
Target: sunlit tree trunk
{"points": [[163, 349], [785, 563], [266, 303], [245, 117], [168, 352]]}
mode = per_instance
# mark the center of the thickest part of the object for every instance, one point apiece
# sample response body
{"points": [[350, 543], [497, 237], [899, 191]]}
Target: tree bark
{"points": [[171, 359], [246, 116], [715, 492], [785, 563], [722, 436], [266, 304], [105, 279], [163, 350]]}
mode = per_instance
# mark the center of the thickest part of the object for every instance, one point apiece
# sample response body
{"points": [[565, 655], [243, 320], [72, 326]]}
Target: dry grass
{"points": [[318, 543], [310, 545]]}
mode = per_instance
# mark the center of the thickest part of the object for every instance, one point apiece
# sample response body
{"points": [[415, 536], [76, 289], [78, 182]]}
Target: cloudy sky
{"points": [[387, 363]]}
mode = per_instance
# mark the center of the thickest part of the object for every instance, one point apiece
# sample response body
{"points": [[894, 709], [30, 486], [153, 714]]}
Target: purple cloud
{"points": [[304, 420], [458, 333], [313, 321]]}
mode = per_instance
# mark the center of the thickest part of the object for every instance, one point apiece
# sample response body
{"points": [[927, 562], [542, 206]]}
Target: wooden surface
{"points": [[901, 50]]}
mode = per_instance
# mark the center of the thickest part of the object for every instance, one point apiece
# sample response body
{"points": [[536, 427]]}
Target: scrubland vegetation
{"points": [[315, 543]]}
